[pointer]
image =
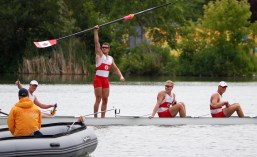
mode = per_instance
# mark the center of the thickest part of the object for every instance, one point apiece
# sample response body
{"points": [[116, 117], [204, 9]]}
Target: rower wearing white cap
{"points": [[32, 88], [221, 108]]}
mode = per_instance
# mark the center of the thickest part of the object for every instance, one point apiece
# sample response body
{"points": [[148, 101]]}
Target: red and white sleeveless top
{"points": [[103, 67], [216, 110], [166, 102]]}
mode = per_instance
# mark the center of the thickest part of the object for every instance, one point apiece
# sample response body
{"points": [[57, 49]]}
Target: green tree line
{"points": [[216, 37]]}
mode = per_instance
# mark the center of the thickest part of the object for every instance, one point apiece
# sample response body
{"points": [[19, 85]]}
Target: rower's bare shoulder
{"points": [[161, 93], [214, 95]]}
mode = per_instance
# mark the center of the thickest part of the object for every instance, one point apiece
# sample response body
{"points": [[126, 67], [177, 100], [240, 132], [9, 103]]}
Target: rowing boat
{"points": [[142, 121]]}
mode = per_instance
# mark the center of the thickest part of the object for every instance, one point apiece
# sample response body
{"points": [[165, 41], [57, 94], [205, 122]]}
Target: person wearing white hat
{"points": [[32, 88], [220, 108]]}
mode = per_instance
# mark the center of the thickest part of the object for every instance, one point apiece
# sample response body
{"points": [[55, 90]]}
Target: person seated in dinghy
{"points": [[25, 117], [220, 108], [32, 88], [166, 105]]}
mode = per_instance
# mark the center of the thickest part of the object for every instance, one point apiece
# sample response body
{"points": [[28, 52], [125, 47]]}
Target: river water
{"points": [[138, 98]]}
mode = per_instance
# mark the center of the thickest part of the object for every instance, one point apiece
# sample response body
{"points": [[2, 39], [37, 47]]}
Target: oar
{"points": [[70, 127], [48, 43], [3, 113], [101, 112], [81, 120], [45, 114], [54, 110]]}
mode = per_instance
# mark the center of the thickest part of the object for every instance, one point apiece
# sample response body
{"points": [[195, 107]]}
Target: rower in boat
{"points": [[32, 88], [166, 105], [220, 108]]}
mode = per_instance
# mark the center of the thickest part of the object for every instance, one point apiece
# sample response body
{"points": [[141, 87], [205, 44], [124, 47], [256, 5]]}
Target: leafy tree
{"points": [[23, 22], [148, 60], [149, 21], [227, 19], [26, 21], [224, 49]]}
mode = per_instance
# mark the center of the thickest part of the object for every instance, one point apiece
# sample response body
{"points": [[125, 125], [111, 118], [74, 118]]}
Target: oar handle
{"points": [[54, 109]]}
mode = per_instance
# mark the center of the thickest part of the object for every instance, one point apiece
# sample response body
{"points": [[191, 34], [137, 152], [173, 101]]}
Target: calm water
{"points": [[138, 98]]}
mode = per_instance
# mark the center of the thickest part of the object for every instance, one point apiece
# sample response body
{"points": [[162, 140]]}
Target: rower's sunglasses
{"points": [[34, 85], [168, 86], [104, 47]]}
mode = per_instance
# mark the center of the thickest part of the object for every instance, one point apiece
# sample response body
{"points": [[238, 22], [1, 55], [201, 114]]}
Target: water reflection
{"points": [[83, 79]]}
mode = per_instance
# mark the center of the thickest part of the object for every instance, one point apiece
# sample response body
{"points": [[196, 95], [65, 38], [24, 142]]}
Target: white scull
{"points": [[144, 121]]}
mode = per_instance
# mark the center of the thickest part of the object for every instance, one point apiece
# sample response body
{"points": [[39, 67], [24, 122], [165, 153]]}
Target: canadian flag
{"points": [[47, 43]]}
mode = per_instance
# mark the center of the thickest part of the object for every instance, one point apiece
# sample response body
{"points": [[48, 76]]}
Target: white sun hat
{"points": [[223, 84], [34, 82]]}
